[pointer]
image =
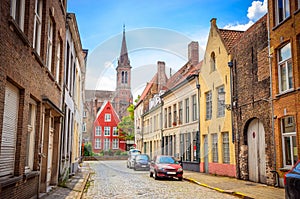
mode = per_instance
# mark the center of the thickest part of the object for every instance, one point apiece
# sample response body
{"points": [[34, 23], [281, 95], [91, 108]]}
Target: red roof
{"points": [[230, 37]]}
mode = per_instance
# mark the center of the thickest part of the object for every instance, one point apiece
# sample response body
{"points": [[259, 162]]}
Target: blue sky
{"points": [[156, 30]]}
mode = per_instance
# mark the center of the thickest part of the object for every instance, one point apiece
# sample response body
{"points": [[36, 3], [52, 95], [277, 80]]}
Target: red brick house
{"points": [[106, 134]]}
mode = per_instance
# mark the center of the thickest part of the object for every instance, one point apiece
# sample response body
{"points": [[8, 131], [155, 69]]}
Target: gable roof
{"points": [[114, 113]]}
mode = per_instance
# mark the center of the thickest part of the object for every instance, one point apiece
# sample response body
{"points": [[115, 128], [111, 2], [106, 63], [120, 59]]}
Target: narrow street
{"points": [[111, 179]]}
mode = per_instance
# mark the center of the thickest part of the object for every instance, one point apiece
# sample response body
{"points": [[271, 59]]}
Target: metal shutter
{"points": [[9, 131]]}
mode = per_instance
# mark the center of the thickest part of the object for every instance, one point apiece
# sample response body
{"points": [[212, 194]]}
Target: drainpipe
{"points": [[271, 100]]}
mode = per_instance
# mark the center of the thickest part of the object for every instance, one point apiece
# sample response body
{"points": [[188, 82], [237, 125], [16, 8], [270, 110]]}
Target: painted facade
{"points": [[106, 132], [217, 140]]}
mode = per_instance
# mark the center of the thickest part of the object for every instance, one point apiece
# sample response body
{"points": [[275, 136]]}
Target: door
{"points": [[256, 151], [206, 154], [50, 152]]}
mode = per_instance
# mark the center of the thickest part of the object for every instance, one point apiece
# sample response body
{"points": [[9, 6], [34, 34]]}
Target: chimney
{"points": [[193, 53], [213, 21], [161, 75]]}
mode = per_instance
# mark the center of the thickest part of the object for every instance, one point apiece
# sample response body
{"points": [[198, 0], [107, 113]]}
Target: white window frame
{"points": [[107, 117], [17, 12], [221, 103], [84, 114], [107, 131], [49, 45], [30, 137], [187, 110], [208, 98], [286, 12], [115, 131], [226, 148], [285, 63], [115, 144], [38, 13], [58, 57], [98, 131], [291, 135], [195, 107], [97, 143], [106, 144], [215, 152]]}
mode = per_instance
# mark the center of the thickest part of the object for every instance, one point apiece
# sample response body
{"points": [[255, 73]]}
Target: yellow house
{"points": [[217, 152]]}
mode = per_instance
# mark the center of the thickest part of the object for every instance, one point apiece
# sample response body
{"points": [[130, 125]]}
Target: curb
{"points": [[83, 185], [235, 193]]}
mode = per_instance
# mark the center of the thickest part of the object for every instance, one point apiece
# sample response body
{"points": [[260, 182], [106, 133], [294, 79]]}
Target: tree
{"points": [[126, 126]]}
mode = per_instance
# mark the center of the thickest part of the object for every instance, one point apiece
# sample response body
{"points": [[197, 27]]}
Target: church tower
{"points": [[123, 88]]}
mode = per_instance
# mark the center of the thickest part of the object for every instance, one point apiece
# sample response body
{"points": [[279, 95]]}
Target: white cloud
{"points": [[255, 11], [237, 26]]}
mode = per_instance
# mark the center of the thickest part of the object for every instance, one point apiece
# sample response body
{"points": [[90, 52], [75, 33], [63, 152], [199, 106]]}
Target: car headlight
{"points": [[161, 168], [180, 169]]}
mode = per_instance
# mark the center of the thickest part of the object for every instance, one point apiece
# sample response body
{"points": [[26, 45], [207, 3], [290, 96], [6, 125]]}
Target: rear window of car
{"points": [[142, 157], [167, 160]]}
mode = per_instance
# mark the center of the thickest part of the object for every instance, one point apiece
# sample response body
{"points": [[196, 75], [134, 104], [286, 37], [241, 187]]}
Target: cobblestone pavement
{"points": [[111, 179]]}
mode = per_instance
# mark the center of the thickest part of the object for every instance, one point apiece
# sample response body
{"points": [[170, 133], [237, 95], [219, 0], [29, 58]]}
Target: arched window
{"points": [[212, 62], [123, 77], [126, 78]]}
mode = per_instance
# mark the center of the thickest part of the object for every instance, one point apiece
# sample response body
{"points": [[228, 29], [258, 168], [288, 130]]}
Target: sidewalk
{"points": [[73, 188], [233, 186]]}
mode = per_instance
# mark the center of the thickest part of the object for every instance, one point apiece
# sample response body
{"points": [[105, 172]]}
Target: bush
{"points": [[88, 149]]}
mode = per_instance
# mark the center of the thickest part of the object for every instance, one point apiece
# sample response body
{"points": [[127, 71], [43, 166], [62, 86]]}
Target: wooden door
{"points": [[256, 151]]}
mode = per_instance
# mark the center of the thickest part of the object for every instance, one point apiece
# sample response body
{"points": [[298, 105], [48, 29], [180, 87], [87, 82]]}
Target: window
{"points": [[166, 118], [282, 10], [9, 131], [187, 110], [289, 142], [107, 118], [115, 143], [174, 115], [37, 26], [17, 12], [221, 103], [194, 101], [298, 5], [170, 116], [49, 45], [285, 68], [212, 62], [226, 151], [215, 147], [97, 143], [84, 127], [106, 144], [188, 147], [180, 113], [124, 77], [30, 137], [107, 131], [58, 56], [98, 131], [84, 114], [208, 105], [115, 131]]}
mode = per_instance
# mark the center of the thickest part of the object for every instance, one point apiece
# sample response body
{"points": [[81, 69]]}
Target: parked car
{"points": [[131, 157], [292, 182], [164, 166], [141, 161]]}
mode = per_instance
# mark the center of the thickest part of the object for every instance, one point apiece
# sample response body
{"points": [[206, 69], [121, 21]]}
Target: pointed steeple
{"points": [[124, 60]]}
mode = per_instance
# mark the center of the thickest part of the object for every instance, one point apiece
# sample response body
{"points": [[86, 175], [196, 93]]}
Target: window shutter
{"points": [[9, 132]]}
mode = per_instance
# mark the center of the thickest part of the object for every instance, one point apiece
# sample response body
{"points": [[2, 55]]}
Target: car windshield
{"points": [[167, 160], [142, 157]]}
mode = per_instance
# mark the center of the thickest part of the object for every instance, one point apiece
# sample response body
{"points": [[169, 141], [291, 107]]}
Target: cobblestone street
{"points": [[113, 180]]}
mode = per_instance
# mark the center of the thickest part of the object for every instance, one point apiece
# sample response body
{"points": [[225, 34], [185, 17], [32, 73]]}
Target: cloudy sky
{"points": [[156, 30]]}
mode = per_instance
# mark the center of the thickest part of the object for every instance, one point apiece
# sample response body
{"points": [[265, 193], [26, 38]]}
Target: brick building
{"points": [[252, 106], [284, 22], [32, 38]]}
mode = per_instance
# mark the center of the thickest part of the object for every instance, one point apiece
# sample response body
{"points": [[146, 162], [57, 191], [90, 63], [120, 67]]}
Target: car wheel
{"points": [[180, 178], [134, 168], [127, 165], [155, 175], [151, 174]]}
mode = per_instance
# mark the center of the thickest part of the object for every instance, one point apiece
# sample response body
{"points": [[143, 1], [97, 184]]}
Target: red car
{"points": [[292, 182], [163, 166]]}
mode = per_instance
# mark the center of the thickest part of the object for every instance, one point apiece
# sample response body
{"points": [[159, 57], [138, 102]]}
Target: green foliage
{"points": [[88, 149], [127, 128]]}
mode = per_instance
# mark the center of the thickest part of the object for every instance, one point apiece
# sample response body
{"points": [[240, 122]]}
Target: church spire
{"points": [[124, 60]]}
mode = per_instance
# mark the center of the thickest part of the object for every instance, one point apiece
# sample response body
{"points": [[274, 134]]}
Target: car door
{"points": [[152, 164]]}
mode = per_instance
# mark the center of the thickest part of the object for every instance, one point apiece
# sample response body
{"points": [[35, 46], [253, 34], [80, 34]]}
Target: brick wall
{"points": [[251, 84]]}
